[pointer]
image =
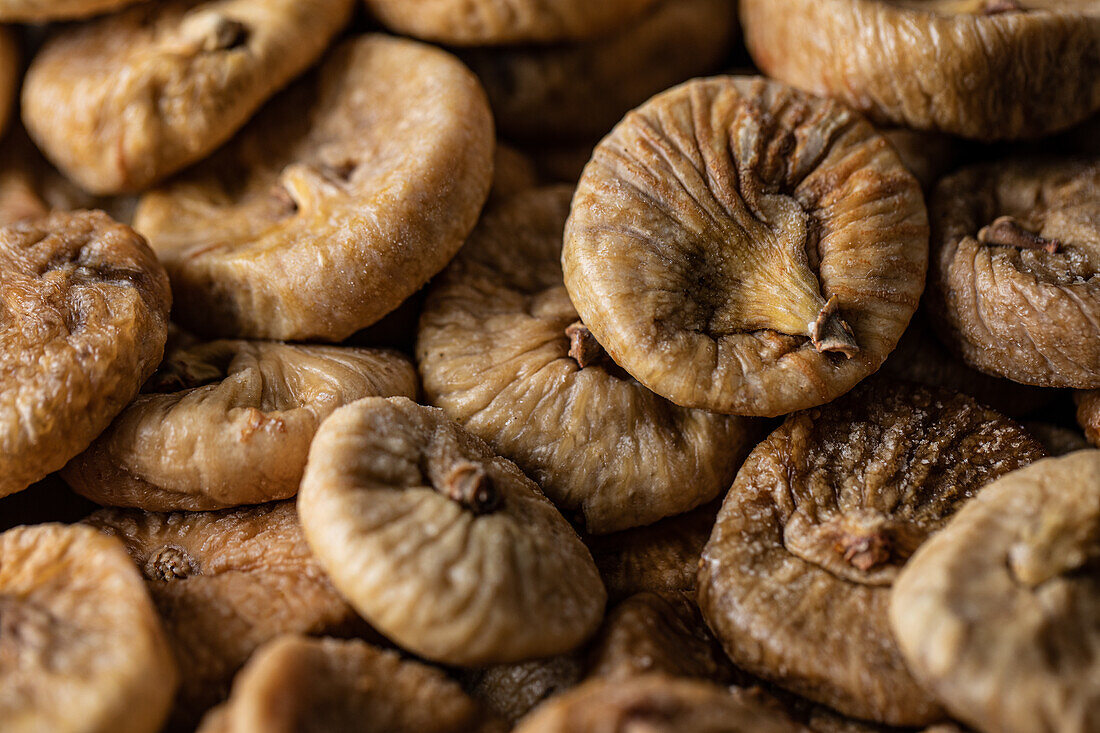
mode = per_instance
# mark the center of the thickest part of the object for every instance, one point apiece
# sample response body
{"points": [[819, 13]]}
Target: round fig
{"points": [[41, 11]]}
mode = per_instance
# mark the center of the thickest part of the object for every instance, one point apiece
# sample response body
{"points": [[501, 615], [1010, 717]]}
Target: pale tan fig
{"points": [[740, 246], [341, 199], [121, 102], [796, 577], [997, 615], [39, 11], [83, 322], [445, 548], [579, 91], [1014, 286], [81, 647], [502, 351], [1088, 414], [983, 69], [226, 423], [510, 691]]}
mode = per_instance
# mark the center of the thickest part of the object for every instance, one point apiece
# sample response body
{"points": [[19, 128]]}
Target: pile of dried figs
{"points": [[595, 366]]}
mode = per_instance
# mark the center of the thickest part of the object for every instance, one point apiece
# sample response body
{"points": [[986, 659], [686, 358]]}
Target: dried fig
{"points": [[160, 85], [978, 68], [998, 614], [339, 201], [38, 11], [83, 322], [1088, 414], [81, 647], [513, 172], [1056, 439], [226, 423], [447, 549], [743, 247], [579, 91], [823, 515], [225, 583], [510, 691], [1013, 285], [502, 351], [927, 155]]}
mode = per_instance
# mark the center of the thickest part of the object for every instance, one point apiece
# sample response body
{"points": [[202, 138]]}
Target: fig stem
{"points": [[583, 346], [831, 333], [468, 484], [996, 7], [1005, 231], [863, 551]]}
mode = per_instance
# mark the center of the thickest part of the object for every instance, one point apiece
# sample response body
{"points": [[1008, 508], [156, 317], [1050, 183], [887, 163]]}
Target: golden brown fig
{"points": [[579, 91], [984, 69], [1088, 414], [81, 647], [226, 423], [1016, 253], [339, 201], [39, 11], [510, 691], [998, 614], [447, 549], [83, 322], [502, 351], [742, 247], [160, 85], [225, 583], [796, 577]]}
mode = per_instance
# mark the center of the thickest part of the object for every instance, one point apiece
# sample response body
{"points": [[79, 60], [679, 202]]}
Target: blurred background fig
{"points": [[38, 11]]}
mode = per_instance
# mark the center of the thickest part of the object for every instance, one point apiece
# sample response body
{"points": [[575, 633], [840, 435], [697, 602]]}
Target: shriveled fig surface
{"points": [[81, 647], [295, 684], [1088, 414], [579, 91], [225, 583], [9, 71], [983, 69], [444, 547], [1014, 284], [160, 85], [502, 351], [341, 199], [225, 423], [38, 11], [83, 322], [796, 577], [999, 615], [490, 22], [510, 691], [740, 246]]}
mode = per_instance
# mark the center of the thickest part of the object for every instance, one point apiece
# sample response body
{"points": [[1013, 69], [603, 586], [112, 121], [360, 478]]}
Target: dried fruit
{"points": [[742, 247], [81, 648], [1056, 439], [927, 155], [225, 583], [30, 187], [226, 423], [9, 70], [162, 84], [340, 200], [998, 614], [83, 321], [447, 549], [502, 351], [965, 67], [1013, 285], [513, 172], [510, 691], [822, 516], [1088, 414], [37, 11]]}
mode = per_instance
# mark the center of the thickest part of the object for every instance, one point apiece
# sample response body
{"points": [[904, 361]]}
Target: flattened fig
{"points": [[340, 200], [502, 351], [743, 247], [796, 577], [81, 647], [152, 89], [510, 691], [998, 614], [83, 322], [956, 66], [40, 11], [447, 549]]}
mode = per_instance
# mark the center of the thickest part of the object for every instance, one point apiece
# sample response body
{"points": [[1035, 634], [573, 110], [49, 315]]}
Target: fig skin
{"points": [[926, 66], [997, 614], [340, 200], [161, 85], [510, 691], [83, 322], [41, 11], [742, 247]]}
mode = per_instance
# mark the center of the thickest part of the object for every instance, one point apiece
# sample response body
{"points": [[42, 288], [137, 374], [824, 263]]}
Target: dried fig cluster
{"points": [[594, 366]]}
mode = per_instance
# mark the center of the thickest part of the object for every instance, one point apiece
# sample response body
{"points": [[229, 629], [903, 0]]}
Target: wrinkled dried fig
{"points": [[1088, 414], [340, 200], [740, 246], [1013, 285], [81, 647], [158, 86], [226, 423], [796, 577], [967, 67], [38, 11], [998, 614], [447, 549], [502, 351], [83, 322], [510, 691]]}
